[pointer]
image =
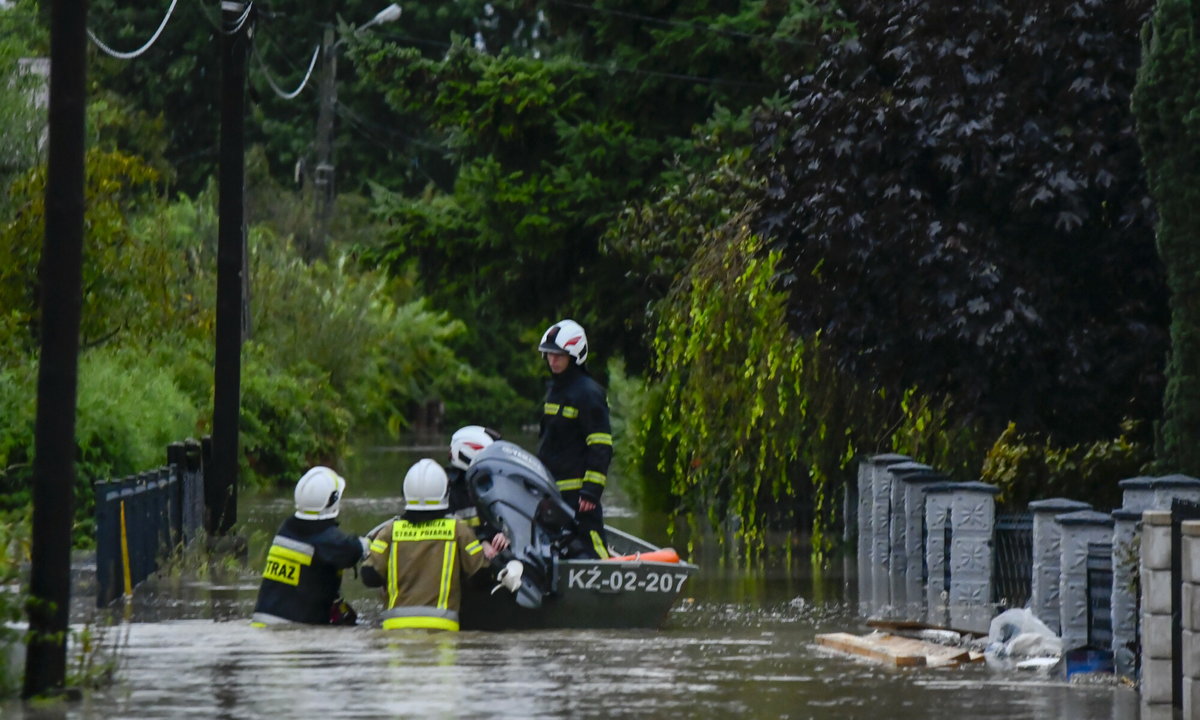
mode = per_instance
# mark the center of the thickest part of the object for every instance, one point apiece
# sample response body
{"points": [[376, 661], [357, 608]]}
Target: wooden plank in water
{"points": [[895, 650], [865, 647]]}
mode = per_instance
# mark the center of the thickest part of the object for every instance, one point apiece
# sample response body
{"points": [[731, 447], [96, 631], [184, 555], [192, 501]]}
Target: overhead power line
{"points": [[271, 81], [131, 55], [237, 24]]}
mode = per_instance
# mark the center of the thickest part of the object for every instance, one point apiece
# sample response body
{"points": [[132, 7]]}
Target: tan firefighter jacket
{"points": [[424, 565]]}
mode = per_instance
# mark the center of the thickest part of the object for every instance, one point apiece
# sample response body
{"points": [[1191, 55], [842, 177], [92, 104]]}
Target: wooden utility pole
{"points": [[323, 186], [221, 489], [60, 274]]}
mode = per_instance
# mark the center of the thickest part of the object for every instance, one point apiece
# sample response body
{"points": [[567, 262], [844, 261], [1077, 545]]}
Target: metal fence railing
{"points": [[142, 518], [1099, 595], [1012, 560]]}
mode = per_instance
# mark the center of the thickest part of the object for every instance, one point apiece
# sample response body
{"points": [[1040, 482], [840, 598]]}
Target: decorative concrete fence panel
{"points": [[970, 509]]}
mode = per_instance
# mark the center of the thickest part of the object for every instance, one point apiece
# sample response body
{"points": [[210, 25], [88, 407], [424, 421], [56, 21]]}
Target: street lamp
{"points": [[323, 177]]}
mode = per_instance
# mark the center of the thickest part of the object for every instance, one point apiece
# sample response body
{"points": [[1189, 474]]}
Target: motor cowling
{"points": [[516, 494]]}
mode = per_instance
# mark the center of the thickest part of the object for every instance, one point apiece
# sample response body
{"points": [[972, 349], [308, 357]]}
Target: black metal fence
{"points": [[1099, 595], [1012, 560], [143, 518]]}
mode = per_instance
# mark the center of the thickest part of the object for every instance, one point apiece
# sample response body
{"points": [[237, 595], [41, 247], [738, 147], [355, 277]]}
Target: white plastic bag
{"points": [[1018, 633]]}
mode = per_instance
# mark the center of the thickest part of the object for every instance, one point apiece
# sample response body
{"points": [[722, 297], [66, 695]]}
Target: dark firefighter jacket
{"points": [[575, 440], [303, 575]]}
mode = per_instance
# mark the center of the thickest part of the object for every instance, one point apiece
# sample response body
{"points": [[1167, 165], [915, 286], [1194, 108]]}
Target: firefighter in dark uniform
{"points": [[302, 580], [575, 439]]}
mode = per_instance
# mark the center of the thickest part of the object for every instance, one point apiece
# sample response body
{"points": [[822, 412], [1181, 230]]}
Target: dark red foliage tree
{"points": [[959, 196]]}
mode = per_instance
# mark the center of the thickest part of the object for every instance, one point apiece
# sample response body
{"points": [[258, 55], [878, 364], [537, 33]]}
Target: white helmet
{"points": [[425, 486], [319, 494], [466, 443], [566, 336]]}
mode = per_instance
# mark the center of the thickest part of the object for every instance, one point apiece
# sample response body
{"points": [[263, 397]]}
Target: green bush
{"points": [[14, 542], [1032, 467], [290, 419], [127, 412]]}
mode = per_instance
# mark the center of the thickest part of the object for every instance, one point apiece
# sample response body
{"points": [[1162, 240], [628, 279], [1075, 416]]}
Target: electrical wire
{"points": [[131, 55], [240, 22], [271, 81]]}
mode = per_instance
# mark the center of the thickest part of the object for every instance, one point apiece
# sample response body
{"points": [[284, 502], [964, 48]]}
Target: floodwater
{"points": [[739, 644]]}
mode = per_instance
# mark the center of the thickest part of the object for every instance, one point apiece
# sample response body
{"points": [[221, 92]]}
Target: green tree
{"points": [[960, 201], [1166, 102], [22, 121]]}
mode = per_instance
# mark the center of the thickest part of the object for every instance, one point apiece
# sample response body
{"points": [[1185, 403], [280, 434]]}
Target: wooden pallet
{"points": [[895, 650]]}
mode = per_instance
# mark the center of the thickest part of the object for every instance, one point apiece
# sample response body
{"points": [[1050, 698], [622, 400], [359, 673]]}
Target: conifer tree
{"points": [[1166, 102]]}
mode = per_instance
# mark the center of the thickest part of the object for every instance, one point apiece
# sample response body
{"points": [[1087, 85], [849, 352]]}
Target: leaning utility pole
{"points": [[323, 189], [60, 273], [221, 489]]}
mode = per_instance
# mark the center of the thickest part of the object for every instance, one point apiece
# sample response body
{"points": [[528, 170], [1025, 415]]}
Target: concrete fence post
{"points": [[1156, 608], [897, 526], [1078, 529], [915, 486], [1137, 494], [869, 473], [1047, 556], [1175, 487], [937, 522], [1126, 547], [1190, 617]]}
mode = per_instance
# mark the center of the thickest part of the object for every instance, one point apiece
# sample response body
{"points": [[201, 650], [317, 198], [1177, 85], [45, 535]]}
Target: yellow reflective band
{"points": [[551, 408], [258, 624], [473, 521], [599, 439], [282, 571], [474, 548], [594, 477], [378, 546], [570, 412], [420, 623], [598, 544], [570, 484], [404, 531], [393, 576], [447, 575], [290, 554]]}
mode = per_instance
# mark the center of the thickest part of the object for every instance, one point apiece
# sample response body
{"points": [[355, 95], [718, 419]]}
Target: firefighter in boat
{"points": [[575, 438]]}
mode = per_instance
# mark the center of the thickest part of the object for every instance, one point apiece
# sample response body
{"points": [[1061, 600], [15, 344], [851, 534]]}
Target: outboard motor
{"points": [[515, 494]]}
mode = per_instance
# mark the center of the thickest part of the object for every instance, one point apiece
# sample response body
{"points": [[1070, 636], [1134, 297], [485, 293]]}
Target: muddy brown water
{"points": [[740, 643]]}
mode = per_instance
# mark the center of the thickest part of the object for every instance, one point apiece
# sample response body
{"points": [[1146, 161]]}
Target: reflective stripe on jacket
{"points": [[423, 565], [575, 440], [303, 572]]}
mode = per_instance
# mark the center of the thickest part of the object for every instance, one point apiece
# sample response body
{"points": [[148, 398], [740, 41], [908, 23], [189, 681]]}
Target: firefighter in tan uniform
{"points": [[422, 558]]}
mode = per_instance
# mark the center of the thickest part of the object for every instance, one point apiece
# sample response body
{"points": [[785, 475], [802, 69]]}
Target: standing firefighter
{"points": [[423, 557], [302, 580], [575, 440]]}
